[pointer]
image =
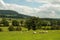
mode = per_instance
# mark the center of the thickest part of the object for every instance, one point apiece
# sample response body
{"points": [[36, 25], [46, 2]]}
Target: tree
{"points": [[54, 25], [21, 23], [11, 28], [45, 24], [28, 24], [15, 23], [32, 23], [18, 28], [5, 22], [38, 25]]}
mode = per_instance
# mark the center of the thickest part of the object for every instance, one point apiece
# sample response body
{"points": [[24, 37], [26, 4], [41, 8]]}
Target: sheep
{"points": [[43, 32], [46, 31], [34, 32]]}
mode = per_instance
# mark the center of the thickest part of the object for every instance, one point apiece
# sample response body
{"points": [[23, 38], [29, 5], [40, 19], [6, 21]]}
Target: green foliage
{"points": [[28, 24], [32, 23], [1, 30], [5, 22], [21, 23], [15, 23], [18, 28], [11, 28]]}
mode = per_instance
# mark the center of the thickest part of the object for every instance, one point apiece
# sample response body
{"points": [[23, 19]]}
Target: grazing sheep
{"points": [[43, 32], [34, 32], [46, 31]]}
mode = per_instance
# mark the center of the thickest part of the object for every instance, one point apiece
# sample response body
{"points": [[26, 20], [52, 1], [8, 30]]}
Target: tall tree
{"points": [[32, 23]]}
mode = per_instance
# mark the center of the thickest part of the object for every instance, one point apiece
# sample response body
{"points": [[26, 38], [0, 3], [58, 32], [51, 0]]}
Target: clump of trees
{"points": [[15, 23], [11, 28], [44, 24], [5, 22], [32, 23], [21, 23], [18, 28]]}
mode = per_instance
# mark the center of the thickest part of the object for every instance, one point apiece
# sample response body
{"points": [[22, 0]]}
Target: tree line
{"points": [[33, 23]]}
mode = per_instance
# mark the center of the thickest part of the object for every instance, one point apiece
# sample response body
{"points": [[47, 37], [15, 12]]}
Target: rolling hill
{"points": [[12, 14]]}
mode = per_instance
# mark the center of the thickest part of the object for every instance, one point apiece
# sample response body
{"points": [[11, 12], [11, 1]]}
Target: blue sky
{"points": [[24, 2]]}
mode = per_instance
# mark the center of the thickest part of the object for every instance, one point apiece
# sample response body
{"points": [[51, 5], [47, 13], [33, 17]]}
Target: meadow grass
{"points": [[24, 35]]}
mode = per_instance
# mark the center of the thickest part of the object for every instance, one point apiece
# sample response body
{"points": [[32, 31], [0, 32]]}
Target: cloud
{"points": [[20, 9], [52, 14], [45, 1], [2, 4], [29, 0], [48, 10]]}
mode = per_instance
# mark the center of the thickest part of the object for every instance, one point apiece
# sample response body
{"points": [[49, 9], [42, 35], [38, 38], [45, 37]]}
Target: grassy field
{"points": [[24, 35]]}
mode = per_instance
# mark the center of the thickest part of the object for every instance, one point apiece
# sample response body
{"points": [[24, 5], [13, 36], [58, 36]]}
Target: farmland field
{"points": [[24, 35]]}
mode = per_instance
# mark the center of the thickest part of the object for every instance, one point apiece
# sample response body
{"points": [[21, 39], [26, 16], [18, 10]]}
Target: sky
{"points": [[38, 8], [24, 2]]}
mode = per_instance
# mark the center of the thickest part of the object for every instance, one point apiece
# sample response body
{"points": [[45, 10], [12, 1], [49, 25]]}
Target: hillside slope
{"points": [[11, 14]]}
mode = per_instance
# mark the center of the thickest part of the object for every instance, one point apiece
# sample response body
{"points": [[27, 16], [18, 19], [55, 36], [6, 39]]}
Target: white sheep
{"points": [[43, 32], [34, 32]]}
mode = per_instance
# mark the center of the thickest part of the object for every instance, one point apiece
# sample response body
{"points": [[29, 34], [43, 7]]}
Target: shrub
{"points": [[11, 28], [18, 29], [0, 29], [5, 22], [15, 23]]}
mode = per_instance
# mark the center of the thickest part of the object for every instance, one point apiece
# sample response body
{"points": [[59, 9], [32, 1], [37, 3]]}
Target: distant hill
{"points": [[12, 14]]}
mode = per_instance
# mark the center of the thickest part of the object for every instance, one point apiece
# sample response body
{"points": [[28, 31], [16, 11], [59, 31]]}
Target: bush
{"points": [[11, 28], [18, 29], [0, 29], [29, 28], [5, 22], [15, 23]]}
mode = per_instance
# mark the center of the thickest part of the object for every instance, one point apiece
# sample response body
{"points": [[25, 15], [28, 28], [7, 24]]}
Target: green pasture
{"points": [[24, 35]]}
